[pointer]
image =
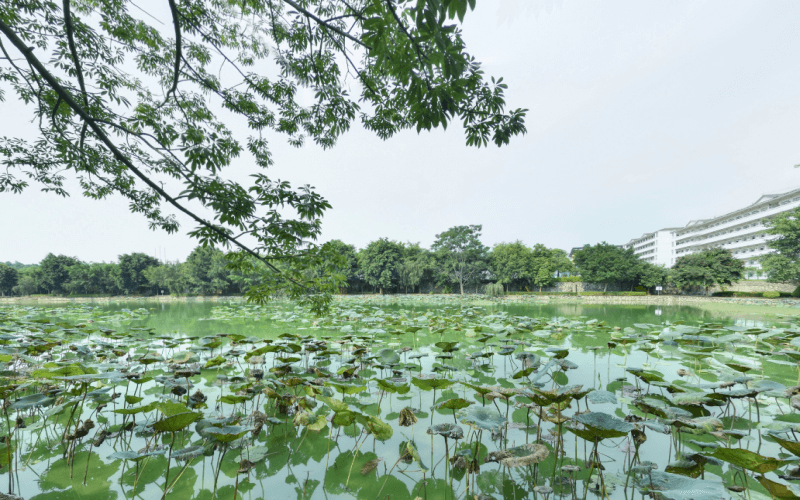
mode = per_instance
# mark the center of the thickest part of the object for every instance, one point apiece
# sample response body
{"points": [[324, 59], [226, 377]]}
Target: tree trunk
{"points": [[381, 289], [540, 288], [605, 287], [461, 286]]}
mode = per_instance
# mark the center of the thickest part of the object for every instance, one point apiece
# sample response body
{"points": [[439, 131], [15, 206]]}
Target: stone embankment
{"points": [[43, 299], [665, 300]]}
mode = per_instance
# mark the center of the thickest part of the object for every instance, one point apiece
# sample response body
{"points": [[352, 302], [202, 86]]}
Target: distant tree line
{"points": [[457, 262], [203, 273]]}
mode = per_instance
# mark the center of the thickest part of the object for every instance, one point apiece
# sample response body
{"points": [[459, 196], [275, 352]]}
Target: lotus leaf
{"points": [[450, 431], [176, 422], [189, 453], [451, 404], [34, 401], [778, 490], [520, 456], [600, 426], [388, 357], [228, 433], [748, 459], [601, 397], [482, 418], [346, 388], [427, 384], [409, 449], [675, 487]]}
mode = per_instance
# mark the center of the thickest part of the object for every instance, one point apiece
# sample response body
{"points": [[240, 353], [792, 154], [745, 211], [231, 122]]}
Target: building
{"points": [[656, 247], [742, 232]]}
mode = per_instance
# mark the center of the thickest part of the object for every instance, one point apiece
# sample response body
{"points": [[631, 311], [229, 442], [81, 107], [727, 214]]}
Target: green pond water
{"points": [[398, 398]]}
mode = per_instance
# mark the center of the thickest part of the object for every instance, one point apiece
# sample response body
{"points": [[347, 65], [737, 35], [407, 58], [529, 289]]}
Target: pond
{"points": [[398, 398]]}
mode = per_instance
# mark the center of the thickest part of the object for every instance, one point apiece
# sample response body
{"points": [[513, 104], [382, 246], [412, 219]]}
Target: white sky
{"points": [[643, 115]]}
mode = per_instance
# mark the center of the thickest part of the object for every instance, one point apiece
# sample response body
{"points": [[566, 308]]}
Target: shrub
{"points": [[624, 294], [722, 294], [494, 289], [569, 279], [771, 295], [796, 292]]}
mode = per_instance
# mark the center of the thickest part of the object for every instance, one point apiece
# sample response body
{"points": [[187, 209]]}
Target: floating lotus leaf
{"points": [[675, 487], [482, 417], [600, 426], [520, 456], [769, 387]]}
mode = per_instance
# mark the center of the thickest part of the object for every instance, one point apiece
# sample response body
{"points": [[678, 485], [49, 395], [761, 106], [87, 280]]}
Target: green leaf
{"points": [[177, 422], [748, 459]]}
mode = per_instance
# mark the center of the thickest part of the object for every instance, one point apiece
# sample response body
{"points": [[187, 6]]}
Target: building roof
{"points": [[762, 199]]}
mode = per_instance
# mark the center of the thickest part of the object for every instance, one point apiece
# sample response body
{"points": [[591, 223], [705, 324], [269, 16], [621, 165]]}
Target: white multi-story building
{"points": [[742, 232], [656, 247]]}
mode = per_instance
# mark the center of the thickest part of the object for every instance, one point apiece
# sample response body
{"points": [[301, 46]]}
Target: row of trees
{"points": [[204, 272], [604, 264], [457, 261]]}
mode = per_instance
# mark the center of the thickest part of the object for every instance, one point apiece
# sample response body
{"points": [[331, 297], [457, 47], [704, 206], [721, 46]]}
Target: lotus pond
{"points": [[397, 398]]}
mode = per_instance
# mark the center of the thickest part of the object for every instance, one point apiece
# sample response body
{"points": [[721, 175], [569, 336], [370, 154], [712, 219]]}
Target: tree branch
{"points": [[73, 50], [101, 135], [326, 25], [174, 8]]}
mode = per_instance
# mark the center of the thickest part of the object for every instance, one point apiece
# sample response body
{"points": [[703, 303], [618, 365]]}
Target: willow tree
{"points": [[140, 100]]}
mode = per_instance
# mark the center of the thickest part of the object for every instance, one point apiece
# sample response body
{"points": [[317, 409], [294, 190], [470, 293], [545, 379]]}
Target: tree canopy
{"points": [[710, 267], [511, 262], [783, 264], [145, 108], [379, 261], [606, 263], [9, 277], [460, 255]]}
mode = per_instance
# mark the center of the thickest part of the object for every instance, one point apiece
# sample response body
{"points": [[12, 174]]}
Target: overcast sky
{"points": [[642, 115]]}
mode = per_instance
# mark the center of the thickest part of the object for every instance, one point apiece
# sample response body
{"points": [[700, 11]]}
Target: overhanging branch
{"points": [[115, 151]]}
